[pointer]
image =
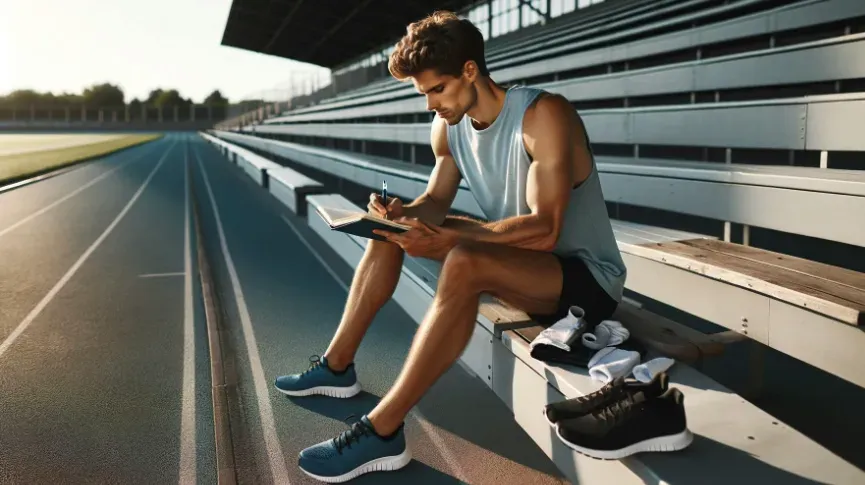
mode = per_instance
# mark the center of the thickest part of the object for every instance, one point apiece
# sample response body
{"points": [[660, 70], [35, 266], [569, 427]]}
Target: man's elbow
{"points": [[547, 244], [550, 238]]}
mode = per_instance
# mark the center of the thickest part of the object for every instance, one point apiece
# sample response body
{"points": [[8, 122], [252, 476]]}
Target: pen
{"points": [[384, 195]]}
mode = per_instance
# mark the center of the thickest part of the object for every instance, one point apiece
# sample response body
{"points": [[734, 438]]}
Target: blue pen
{"points": [[384, 195]]}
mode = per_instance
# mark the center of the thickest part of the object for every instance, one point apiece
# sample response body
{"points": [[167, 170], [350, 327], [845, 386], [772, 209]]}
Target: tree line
{"points": [[105, 95]]}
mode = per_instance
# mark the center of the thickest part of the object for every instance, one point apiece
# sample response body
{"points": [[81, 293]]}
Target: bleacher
{"points": [[710, 121]]}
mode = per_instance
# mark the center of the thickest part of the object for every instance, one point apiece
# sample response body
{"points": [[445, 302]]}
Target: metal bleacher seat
{"points": [[701, 59], [617, 46], [594, 15], [603, 21]]}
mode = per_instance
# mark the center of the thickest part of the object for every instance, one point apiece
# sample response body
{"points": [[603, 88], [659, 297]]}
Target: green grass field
{"points": [[23, 156]]}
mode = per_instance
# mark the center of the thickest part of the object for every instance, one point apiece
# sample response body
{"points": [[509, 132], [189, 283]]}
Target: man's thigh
{"points": [[528, 280]]}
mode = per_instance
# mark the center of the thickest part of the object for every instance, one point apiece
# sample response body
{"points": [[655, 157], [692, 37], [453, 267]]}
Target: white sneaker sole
{"points": [[384, 464], [332, 391], [673, 442]]}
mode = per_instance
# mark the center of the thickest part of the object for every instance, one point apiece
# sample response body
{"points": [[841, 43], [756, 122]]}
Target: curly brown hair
{"points": [[441, 41]]}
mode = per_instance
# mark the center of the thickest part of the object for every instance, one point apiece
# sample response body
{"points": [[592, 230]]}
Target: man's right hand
{"points": [[376, 206]]}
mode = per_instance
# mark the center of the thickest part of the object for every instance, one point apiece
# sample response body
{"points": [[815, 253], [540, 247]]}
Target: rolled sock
{"points": [[611, 362], [608, 333], [564, 332], [598, 338], [647, 371], [618, 333]]}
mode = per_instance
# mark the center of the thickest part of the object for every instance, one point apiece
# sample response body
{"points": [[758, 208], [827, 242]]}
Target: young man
{"points": [[525, 156]]}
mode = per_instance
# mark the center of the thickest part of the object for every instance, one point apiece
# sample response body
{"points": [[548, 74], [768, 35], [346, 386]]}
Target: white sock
{"points": [[647, 371], [562, 333], [611, 362], [608, 333]]}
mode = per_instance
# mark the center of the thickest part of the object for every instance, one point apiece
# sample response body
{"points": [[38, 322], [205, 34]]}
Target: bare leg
{"points": [[530, 280], [372, 286]]}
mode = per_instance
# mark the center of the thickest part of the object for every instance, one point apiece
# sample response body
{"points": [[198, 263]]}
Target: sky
{"points": [[140, 45]]}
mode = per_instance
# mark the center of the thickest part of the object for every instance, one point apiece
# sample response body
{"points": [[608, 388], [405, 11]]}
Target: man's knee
{"points": [[464, 267]]}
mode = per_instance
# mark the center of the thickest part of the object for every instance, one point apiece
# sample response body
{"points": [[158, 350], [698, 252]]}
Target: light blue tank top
{"points": [[494, 163]]}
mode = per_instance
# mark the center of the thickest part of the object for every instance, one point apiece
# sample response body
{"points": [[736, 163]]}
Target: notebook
{"points": [[358, 223]]}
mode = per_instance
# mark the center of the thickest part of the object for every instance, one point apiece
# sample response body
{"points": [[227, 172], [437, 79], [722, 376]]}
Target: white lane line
{"points": [[71, 272], [162, 275], [70, 195], [278, 468], [188, 473], [430, 430]]}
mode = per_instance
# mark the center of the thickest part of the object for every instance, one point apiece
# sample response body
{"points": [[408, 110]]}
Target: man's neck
{"points": [[489, 104]]}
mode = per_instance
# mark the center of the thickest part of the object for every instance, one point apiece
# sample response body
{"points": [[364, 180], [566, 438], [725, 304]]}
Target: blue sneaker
{"points": [[354, 452], [319, 379]]}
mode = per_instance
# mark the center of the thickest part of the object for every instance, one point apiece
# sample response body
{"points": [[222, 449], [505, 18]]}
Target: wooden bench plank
{"points": [[503, 316], [837, 301], [836, 274]]}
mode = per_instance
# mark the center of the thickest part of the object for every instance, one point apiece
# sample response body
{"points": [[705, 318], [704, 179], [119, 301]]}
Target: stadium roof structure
{"points": [[328, 33]]}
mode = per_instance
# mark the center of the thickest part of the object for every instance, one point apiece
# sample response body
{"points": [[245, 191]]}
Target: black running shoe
{"points": [[632, 425], [618, 388]]}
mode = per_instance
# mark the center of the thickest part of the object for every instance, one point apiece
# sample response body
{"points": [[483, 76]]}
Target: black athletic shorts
{"points": [[580, 288]]}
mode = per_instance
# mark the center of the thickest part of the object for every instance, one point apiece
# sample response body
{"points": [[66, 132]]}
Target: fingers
{"points": [[375, 205], [418, 224], [390, 236]]}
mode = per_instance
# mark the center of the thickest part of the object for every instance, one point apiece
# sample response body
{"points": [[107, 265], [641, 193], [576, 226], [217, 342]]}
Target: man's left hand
{"points": [[423, 240]]}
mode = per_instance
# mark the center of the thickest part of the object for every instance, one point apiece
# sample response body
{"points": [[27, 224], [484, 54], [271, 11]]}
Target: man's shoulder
{"points": [[547, 111], [549, 106]]}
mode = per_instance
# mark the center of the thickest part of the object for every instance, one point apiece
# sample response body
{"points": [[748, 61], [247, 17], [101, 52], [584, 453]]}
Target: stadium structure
{"points": [[728, 137]]}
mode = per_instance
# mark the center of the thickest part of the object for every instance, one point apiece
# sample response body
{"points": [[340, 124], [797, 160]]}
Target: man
{"points": [[525, 156]]}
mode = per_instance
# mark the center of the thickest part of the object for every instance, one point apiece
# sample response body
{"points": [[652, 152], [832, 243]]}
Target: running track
{"points": [[104, 358]]}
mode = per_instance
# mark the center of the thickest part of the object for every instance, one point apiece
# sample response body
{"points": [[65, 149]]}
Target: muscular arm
{"points": [[434, 204], [554, 137]]}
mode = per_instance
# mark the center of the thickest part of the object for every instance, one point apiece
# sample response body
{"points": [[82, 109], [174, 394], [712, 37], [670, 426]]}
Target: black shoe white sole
{"points": [[547, 417], [384, 464], [341, 392], [673, 442]]}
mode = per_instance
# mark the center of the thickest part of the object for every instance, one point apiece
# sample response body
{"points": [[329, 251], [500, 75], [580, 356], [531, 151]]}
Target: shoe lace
{"points": [[354, 433], [314, 363], [600, 395], [618, 411]]}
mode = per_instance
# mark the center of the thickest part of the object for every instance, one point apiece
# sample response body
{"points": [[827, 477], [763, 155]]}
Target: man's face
{"points": [[450, 97]]}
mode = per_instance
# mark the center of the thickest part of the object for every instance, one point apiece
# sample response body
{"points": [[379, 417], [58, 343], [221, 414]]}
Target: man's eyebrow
{"points": [[421, 91]]}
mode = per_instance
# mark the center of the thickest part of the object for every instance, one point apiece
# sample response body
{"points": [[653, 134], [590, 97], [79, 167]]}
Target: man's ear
{"points": [[470, 71]]}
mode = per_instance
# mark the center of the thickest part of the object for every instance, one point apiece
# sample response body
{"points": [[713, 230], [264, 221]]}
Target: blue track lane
{"points": [[93, 308]]}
